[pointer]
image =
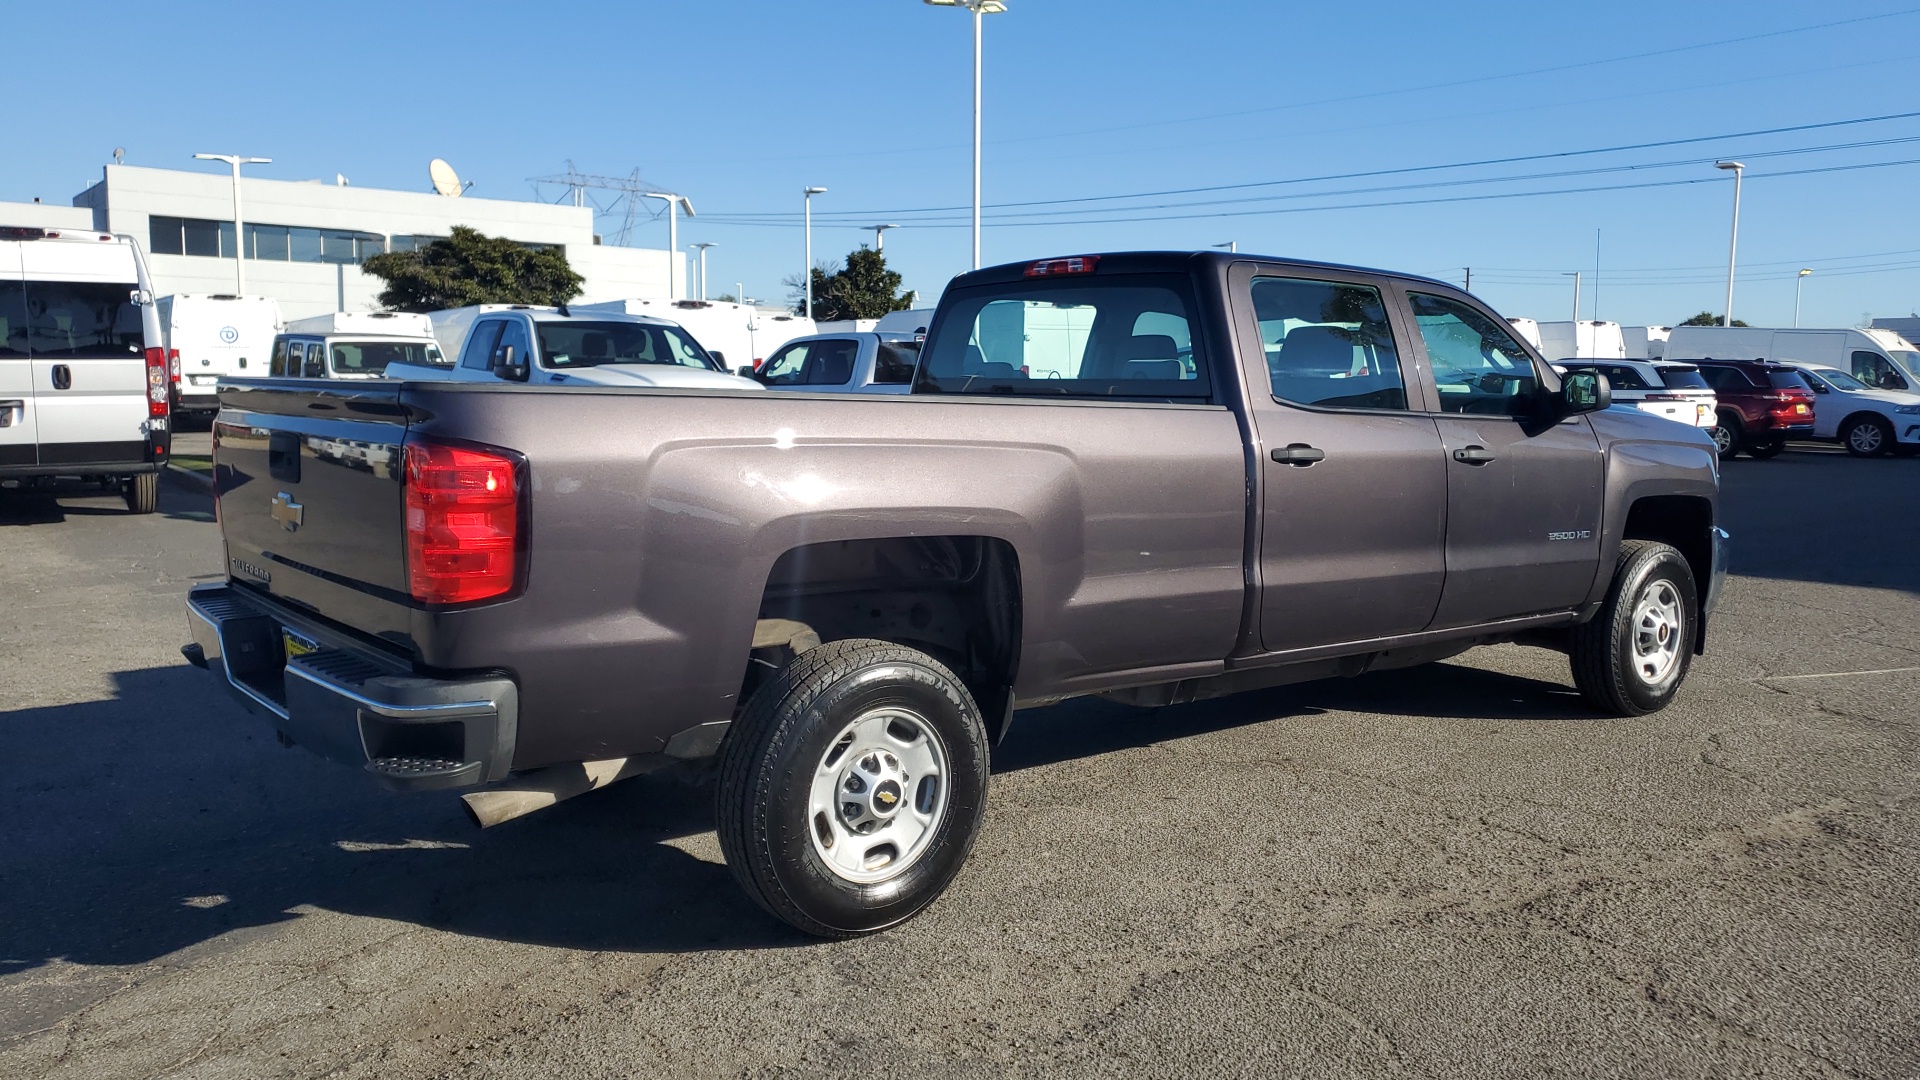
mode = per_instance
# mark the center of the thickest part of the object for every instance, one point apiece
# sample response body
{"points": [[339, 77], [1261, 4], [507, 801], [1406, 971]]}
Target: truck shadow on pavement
{"points": [[74, 499], [165, 817]]}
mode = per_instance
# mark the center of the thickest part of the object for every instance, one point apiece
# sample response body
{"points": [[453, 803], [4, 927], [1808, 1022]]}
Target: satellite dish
{"points": [[445, 180]]}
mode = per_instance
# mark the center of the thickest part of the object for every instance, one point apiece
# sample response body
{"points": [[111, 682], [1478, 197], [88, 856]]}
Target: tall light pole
{"points": [[239, 228], [1798, 280], [979, 8], [674, 202], [806, 198], [703, 246], [880, 236], [1733, 245]]}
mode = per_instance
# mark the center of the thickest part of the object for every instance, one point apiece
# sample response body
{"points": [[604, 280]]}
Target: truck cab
{"points": [[847, 363], [554, 346]]}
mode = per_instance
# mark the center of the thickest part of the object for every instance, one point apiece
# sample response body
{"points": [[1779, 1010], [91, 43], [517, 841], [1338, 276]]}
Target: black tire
{"points": [[1727, 436], [142, 493], [1763, 449], [1605, 664], [1867, 436], [782, 740]]}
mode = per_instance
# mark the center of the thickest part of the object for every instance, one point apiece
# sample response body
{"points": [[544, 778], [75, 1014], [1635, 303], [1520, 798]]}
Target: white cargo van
{"points": [[1881, 359], [1583, 340], [1645, 342], [83, 374], [1527, 329], [214, 334], [354, 345]]}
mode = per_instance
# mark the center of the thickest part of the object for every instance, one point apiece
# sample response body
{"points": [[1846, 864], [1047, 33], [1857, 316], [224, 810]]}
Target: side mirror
{"points": [[719, 358], [508, 366], [140, 298], [1585, 392]]}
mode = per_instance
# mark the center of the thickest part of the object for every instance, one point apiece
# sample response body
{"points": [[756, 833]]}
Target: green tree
{"points": [[863, 289], [1708, 318], [470, 267]]}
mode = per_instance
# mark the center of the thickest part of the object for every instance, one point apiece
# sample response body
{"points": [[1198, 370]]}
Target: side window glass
{"points": [[1873, 369], [895, 363], [1477, 366], [278, 366], [316, 360], [786, 366], [477, 355], [1328, 344], [831, 363], [514, 335]]}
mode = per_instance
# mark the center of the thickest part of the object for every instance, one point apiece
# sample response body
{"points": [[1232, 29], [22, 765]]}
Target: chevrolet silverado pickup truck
{"points": [[1158, 477]]}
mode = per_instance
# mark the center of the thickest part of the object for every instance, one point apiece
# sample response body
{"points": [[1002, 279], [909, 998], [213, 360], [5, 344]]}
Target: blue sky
{"points": [[740, 105]]}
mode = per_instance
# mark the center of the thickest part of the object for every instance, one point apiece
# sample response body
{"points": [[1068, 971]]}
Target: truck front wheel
{"points": [[852, 786], [1630, 659]]}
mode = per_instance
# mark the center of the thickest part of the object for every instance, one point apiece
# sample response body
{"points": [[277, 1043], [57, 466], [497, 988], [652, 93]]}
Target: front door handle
{"points": [[1473, 455], [1299, 454], [62, 377]]}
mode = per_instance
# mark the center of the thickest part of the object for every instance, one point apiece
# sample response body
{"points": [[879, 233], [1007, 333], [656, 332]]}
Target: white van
{"points": [[1584, 340], [214, 334], [735, 335], [1527, 329], [83, 374], [354, 345], [1645, 342], [1881, 359]]}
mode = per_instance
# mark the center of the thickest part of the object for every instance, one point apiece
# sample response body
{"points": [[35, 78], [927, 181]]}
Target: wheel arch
{"points": [[1683, 522]]}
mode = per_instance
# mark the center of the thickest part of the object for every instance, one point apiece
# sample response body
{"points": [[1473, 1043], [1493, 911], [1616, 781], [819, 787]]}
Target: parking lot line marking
{"points": [[1841, 674]]}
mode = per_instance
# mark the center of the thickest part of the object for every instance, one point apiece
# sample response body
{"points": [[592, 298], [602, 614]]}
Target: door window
{"points": [[478, 354], [786, 367], [514, 335], [894, 364], [1477, 366], [13, 319], [830, 363], [82, 318], [278, 366], [1328, 344], [1874, 370]]}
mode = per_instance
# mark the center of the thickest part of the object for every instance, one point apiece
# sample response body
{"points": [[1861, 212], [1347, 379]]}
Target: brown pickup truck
{"points": [[1154, 476]]}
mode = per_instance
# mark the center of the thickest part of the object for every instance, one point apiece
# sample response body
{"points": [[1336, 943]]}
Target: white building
{"points": [[306, 239]]}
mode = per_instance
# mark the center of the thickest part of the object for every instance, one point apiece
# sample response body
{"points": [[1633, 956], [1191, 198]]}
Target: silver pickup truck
{"points": [[1153, 476]]}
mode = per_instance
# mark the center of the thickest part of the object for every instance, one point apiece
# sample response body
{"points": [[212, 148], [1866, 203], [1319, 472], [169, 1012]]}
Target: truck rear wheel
{"points": [[1630, 659], [142, 493], [852, 786]]}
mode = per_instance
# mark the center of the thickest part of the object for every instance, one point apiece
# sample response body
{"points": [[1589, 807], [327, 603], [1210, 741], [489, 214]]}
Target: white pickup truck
{"points": [[538, 345]]}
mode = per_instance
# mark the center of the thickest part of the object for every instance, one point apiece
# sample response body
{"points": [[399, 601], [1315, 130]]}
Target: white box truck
{"points": [[1645, 342], [214, 334], [1880, 358], [1584, 340]]}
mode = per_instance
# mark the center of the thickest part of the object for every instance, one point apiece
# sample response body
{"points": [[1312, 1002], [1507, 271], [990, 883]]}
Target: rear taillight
{"points": [[156, 382], [1077, 264], [173, 363], [463, 522]]}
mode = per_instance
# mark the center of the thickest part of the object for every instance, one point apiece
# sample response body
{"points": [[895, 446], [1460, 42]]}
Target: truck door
{"points": [[17, 441], [1523, 500], [89, 370], [1353, 509]]}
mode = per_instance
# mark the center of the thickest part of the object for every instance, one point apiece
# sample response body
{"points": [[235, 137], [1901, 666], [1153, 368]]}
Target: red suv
{"points": [[1762, 404]]}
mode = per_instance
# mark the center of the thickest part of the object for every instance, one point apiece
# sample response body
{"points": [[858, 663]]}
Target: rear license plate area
{"points": [[293, 643]]}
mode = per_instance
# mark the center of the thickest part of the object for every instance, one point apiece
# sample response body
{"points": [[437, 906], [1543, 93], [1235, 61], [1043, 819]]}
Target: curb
{"points": [[197, 480]]}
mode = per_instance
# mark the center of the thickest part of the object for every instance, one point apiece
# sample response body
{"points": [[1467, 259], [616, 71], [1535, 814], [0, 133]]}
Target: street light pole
{"points": [[703, 246], [1798, 280], [239, 227], [806, 198], [674, 202], [1733, 245], [880, 236], [980, 9]]}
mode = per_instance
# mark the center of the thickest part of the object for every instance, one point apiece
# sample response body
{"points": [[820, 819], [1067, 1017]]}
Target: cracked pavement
{"points": [[1447, 871]]}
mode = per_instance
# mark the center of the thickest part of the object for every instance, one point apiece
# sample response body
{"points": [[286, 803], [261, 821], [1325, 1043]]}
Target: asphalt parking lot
{"points": [[1449, 871]]}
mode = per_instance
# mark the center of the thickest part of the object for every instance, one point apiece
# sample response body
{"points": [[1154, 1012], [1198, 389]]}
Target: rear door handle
{"points": [[62, 377], [1299, 454], [1473, 455]]}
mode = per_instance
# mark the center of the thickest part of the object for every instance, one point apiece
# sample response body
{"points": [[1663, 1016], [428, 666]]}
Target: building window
{"points": [[267, 242], [163, 236]]}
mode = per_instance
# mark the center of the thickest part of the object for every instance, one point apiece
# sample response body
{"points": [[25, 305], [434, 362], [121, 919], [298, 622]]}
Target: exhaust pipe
{"points": [[542, 788]]}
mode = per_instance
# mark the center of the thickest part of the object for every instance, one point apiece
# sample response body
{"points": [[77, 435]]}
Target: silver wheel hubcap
{"points": [[1865, 438], [1657, 625], [1722, 439], [878, 795]]}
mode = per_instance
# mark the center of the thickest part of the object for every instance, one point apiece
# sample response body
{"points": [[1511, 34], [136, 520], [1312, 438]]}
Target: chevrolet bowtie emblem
{"points": [[887, 798], [287, 512]]}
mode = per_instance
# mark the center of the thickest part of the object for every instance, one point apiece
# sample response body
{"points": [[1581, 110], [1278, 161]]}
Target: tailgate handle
{"points": [[62, 377], [283, 456]]}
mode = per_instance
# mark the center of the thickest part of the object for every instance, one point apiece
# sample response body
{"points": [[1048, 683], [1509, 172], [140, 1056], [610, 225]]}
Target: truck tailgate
{"points": [[308, 478]]}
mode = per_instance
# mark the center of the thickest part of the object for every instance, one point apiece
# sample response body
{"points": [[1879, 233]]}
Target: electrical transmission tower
{"points": [[628, 200]]}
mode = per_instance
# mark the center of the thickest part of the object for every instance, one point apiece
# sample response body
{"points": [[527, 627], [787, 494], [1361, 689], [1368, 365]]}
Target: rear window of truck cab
{"points": [[1124, 336]]}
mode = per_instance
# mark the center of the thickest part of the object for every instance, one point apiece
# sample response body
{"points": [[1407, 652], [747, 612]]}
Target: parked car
{"points": [[845, 600], [85, 389], [354, 345], [843, 364], [1868, 422], [1880, 358], [209, 335], [552, 346], [1762, 405], [1670, 391]]}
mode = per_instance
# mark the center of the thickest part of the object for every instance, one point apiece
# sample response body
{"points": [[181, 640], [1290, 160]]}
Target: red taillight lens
{"points": [[173, 363], [156, 382], [463, 523], [1078, 264]]}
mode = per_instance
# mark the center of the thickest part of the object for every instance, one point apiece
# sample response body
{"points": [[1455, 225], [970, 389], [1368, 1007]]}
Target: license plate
{"points": [[204, 380], [297, 644]]}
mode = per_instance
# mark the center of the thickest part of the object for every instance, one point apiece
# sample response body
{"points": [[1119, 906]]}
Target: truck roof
{"points": [[386, 323], [1162, 262]]}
